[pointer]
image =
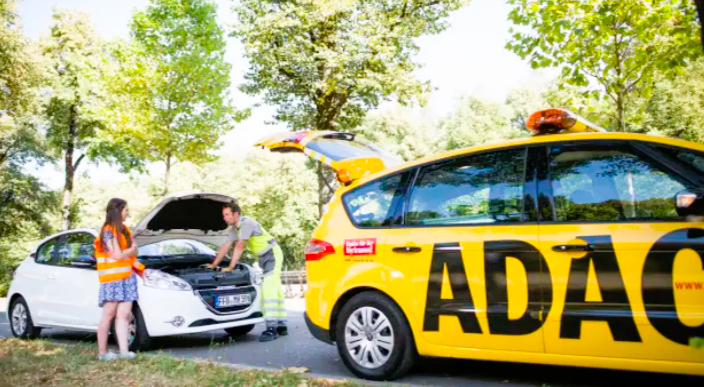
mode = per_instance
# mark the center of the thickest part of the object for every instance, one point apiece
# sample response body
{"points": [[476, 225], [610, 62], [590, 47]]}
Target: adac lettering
{"points": [[615, 307], [658, 291]]}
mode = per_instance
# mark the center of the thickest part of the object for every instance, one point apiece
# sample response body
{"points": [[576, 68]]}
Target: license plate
{"points": [[232, 300]]}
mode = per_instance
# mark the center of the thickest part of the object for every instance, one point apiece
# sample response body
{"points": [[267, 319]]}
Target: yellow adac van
{"points": [[574, 246]]}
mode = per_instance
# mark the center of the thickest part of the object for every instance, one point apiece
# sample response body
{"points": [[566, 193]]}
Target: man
{"points": [[249, 234]]}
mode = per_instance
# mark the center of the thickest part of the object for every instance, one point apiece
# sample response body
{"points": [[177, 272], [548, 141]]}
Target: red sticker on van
{"points": [[365, 246]]}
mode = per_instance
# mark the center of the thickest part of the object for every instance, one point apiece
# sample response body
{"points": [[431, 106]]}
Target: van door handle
{"points": [[568, 248], [51, 277], [406, 249]]}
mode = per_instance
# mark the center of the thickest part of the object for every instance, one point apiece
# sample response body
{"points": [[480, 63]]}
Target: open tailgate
{"points": [[339, 150]]}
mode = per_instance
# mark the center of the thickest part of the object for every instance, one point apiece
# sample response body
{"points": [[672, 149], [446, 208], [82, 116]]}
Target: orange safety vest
{"points": [[110, 269]]}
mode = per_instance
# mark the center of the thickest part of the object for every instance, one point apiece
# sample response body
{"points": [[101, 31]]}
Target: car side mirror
{"points": [[83, 263], [690, 204]]}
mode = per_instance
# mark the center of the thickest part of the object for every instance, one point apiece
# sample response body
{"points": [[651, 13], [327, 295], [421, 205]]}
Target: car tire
{"points": [[139, 339], [391, 352], [21, 324], [239, 331]]}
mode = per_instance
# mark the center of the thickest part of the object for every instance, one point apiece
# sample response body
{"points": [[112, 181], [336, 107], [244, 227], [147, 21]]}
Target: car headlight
{"points": [[160, 280]]}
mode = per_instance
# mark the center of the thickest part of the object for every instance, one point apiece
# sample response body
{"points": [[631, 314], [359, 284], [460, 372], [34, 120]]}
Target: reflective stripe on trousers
{"points": [[273, 304]]}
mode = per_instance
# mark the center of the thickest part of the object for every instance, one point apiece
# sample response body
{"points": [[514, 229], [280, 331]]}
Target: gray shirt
{"points": [[248, 228]]}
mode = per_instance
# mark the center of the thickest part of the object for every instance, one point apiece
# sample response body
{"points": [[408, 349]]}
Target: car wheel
{"points": [[239, 331], [373, 337], [138, 338], [21, 323]]}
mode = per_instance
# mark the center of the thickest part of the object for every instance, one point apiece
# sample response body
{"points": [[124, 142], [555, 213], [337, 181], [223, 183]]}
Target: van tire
{"points": [[403, 353]]}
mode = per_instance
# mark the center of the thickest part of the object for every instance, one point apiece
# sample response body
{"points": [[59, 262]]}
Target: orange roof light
{"points": [[343, 176], [553, 121]]}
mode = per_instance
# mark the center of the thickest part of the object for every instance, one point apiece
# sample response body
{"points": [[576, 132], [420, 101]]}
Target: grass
{"points": [[41, 363]]}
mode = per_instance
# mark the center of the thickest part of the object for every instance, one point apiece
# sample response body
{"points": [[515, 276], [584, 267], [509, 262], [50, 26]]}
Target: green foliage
{"points": [[697, 342], [676, 108], [400, 132], [183, 50], [476, 122], [621, 45], [26, 209], [77, 104], [325, 63], [20, 77]]}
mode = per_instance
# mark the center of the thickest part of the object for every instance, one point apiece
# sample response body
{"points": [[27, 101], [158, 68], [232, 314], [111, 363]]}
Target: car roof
{"points": [[533, 140]]}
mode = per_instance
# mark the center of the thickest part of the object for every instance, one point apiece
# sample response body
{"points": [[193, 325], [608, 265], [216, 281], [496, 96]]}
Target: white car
{"points": [[57, 285]]}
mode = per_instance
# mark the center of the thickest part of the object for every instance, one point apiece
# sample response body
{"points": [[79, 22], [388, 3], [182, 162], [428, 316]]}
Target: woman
{"points": [[116, 251]]}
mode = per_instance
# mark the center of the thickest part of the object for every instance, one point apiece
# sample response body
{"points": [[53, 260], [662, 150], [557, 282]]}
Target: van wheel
{"points": [[239, 331], [138, 338], [21, 323], [373, 338]]}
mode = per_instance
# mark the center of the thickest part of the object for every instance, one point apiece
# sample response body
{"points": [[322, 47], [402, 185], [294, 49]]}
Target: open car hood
{"points": [[187, 216]]}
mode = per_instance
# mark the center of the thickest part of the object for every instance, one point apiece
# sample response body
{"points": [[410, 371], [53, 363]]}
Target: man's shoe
{"points": [[282, 330], [269, 334]]}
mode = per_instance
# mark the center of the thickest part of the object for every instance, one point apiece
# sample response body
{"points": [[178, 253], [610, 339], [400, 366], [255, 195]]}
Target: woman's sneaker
{"points": [[108, 356], [128, 355]]}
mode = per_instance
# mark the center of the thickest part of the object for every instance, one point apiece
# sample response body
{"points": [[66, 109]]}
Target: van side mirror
{"points": [[690, 203]]}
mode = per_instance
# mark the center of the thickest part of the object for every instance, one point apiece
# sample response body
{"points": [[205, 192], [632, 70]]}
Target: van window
{"points": [[377, 204], [478, 189], [610, 183]]}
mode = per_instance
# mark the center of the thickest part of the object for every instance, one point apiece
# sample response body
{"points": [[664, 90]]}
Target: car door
{"points": [[48, 298], [470, 252], [623, 266], [78, 280]]}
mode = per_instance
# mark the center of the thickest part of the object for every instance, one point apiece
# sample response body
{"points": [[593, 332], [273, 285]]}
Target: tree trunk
{"points": [[620, 113], [166, 175], [70, 172], [325, 191], [700, 11]]}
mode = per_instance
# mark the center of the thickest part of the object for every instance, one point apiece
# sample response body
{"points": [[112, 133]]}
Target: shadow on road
{"points": [[540, 375]]}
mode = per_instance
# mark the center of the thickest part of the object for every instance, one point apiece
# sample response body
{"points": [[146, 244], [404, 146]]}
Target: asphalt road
{"points": [[300, 349]]}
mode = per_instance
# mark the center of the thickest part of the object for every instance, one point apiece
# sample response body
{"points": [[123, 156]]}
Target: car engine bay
{"points": [[192, 269]]}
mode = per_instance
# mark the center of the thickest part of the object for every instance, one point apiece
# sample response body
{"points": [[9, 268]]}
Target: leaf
{"points": [[296, 370], [696, 342]]}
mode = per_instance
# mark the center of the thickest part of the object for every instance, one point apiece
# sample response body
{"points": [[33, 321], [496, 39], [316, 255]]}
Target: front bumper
{"points": [[161, 307], [319, 333]]}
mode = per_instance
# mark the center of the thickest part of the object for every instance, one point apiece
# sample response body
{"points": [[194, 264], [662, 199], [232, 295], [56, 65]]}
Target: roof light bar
{"points": [[553, 121]]}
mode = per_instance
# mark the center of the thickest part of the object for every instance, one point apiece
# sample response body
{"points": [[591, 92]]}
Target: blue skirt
{"points": [[122, 290]]}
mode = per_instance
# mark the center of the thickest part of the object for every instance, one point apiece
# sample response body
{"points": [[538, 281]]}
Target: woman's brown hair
{"points": [[113, 218]]}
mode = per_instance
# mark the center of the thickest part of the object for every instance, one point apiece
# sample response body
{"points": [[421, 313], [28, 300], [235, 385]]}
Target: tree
{"points": [[20, 76], [700, 12], [475, 122], [77, 102], [325, 63], [619, 45], [400, 132], [676, 108], [188, 93]]}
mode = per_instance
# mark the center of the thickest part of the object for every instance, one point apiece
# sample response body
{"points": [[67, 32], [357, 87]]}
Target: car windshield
{"points": [[174, 247]]}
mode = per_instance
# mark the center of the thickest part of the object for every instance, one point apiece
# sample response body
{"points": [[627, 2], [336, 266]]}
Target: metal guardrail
{"points": [[293, 277]]}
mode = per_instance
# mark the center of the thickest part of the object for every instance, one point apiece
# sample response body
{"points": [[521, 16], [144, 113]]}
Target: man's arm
{"points": [[236, 255], [221, 254]]}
